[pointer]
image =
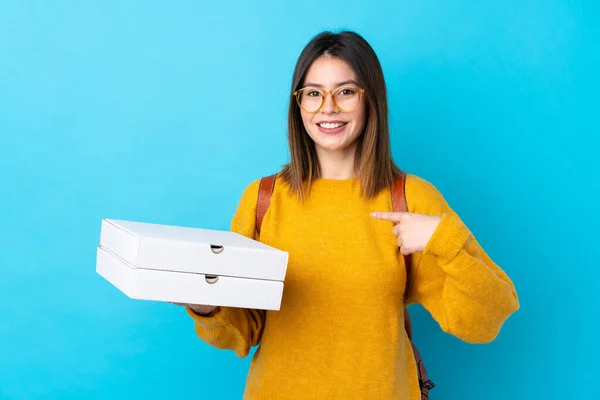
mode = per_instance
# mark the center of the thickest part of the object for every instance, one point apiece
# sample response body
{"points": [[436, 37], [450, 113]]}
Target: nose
{"points": [[328, 104]]}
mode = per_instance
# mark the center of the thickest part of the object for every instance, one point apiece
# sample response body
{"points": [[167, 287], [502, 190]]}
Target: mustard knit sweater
{"points": [[340, 331]]}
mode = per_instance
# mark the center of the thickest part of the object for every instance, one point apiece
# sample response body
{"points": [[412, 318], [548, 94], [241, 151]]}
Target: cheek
{"points": [[360, 117], [306, 119]]}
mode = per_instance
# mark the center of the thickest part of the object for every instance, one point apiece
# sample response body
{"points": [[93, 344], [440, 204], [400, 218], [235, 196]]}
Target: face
{"points": [[330, 128]]}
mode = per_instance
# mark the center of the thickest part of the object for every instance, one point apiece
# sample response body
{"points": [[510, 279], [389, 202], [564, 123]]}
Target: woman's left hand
{"points": [[412, 230]]}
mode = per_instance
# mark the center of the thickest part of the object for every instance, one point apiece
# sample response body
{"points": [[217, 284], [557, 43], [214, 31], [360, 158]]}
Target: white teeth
{"points": [[328, 125]]}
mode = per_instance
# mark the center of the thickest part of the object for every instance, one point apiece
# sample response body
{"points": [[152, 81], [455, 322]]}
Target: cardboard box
{"points": [[190, 265]]}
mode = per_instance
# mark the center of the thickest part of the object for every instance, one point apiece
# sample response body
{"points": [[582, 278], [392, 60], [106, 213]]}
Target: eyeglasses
{"points": [[345, 98]]}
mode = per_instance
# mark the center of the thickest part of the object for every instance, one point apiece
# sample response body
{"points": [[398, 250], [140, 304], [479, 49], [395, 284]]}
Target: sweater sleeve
{"points": [[231, 328], [453, 278]]}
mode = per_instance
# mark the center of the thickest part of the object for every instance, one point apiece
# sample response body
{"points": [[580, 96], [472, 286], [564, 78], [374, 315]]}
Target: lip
{"points": [[332, 131]]}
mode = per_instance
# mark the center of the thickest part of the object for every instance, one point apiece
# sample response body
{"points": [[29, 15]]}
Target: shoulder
{"points": [[250, 192], [423, 196]]}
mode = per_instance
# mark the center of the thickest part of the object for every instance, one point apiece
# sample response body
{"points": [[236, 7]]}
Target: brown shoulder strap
{"points": [[265, 190], [399, 204], [398, 194]]}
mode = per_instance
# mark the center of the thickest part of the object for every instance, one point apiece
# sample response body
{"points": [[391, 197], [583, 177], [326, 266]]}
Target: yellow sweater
{"points": [[340, 331]]}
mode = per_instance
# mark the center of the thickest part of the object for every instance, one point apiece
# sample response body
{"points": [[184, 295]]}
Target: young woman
{"points": [[340, 331]]}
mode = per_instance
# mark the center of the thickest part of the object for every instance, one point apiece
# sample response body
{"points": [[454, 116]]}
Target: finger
{"points": [[396, 230], [388, 216], [405, 251]]}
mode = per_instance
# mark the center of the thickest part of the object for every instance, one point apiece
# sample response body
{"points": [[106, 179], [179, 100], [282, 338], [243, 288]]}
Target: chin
{"points": [[333, 143], [332, 146]]}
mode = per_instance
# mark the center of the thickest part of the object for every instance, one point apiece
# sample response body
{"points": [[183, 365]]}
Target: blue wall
{"points": [[164, 113]]}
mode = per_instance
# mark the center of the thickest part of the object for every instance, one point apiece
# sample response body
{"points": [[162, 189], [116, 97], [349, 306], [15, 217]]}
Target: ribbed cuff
{"points": [[204, 320], [448, 239]]}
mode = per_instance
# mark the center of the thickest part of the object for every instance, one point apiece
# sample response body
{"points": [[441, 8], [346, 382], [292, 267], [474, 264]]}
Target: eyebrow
{"points": [[318, 85]]}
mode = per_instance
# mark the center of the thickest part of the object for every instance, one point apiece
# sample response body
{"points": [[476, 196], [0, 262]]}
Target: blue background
{"points": [[164, 112]]}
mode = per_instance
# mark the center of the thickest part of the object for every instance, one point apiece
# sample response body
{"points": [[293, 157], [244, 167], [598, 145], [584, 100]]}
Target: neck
{"points": [[338, 164]]}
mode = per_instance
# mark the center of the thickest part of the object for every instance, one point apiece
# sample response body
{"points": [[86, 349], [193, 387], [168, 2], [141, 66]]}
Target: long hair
{"points": [[373, 160]]}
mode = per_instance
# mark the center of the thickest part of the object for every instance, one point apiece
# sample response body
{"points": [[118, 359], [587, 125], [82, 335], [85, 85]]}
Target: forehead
{"points": [[329, 71]]}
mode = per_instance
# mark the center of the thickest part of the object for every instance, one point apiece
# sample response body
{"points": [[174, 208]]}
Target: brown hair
{"points": [[374, 165]]}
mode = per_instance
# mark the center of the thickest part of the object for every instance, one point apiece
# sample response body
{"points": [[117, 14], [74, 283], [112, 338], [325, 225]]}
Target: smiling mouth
{"points": [[331, 125]]}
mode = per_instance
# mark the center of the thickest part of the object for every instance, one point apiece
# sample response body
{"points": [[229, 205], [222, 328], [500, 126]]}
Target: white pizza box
{"points": [[194, 250], [185, 287], [190, 265]]}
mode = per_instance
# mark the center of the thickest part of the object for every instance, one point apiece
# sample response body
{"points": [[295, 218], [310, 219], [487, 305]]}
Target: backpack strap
{"points": [[265, 190], [399, 204], [398, 194]]}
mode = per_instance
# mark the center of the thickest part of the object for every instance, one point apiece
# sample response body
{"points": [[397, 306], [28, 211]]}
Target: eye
{"points": [[347, 92], [313, 93]]}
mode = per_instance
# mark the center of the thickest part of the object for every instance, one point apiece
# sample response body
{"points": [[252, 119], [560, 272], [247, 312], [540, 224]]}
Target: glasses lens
{"points": [[310, 99], [347, 98]]}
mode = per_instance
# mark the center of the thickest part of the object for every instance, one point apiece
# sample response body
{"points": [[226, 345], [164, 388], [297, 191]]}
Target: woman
{"points": [[340, 331]]}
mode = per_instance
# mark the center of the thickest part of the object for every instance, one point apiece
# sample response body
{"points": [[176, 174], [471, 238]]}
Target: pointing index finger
{"points": [[388, 216]]}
